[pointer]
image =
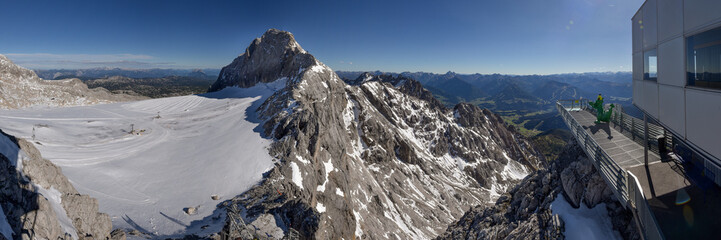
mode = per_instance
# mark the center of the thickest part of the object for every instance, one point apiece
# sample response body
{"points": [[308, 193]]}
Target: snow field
{"points": [[201, 145]]}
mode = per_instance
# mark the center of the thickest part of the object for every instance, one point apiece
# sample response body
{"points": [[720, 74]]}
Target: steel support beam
{"points": [[645, 139]]}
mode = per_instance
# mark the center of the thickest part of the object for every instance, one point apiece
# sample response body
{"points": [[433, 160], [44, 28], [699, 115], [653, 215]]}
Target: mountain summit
{"points": [[376, 158], [276, 54]]}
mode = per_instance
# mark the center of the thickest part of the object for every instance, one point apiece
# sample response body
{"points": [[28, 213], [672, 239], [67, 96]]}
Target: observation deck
{"points": [[671, 198]]}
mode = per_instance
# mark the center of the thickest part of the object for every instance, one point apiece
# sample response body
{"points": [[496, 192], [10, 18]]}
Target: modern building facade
{"points": [[677, 73]]}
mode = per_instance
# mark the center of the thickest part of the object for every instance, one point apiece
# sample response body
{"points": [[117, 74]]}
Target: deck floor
{"points": [[623, 150], [683, 209]]}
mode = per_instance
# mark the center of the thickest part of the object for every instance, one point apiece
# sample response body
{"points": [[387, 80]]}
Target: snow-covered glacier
{"points": [[146, 161]]}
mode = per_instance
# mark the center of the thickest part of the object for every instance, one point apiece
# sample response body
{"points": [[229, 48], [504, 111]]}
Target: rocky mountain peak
{"points": [[374, 157], [278, 39], [21, 87], [274, 55], [366, 76]]}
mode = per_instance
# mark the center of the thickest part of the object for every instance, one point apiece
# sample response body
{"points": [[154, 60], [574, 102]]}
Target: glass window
{"points": [[703, 63], [650, 65]]}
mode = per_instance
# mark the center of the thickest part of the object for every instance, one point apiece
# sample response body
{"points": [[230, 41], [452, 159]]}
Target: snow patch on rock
{"points": [[54, 198], [320, 207], [584, 222], [297, 177], [328, 168]]}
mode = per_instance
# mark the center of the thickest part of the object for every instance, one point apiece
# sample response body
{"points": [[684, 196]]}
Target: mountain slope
{"points": [[21, 88], [552, 91], [38, 201], [376, 159], [513, 93], [170, 86], [457, 90], [95, 73], [545, 205]]}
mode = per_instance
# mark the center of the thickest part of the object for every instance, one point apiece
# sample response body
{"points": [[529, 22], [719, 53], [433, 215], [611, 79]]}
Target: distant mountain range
{"points": [[169, 86], [546, 87], [525, 100], [95, 73]]}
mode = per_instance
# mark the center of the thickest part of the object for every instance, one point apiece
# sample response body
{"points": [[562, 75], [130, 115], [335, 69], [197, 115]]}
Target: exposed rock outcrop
{"points": [[581, 182], [376, 158], [38, 200], [525, 211], [267, 59], [21, 88]]}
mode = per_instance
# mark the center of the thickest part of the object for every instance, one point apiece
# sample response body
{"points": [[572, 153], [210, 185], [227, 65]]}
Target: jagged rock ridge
{"points": [[525, 211], [21, 88], [377, 158], [39, 202]]}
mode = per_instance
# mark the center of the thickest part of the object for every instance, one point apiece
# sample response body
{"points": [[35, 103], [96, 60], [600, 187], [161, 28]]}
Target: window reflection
{"points": [[703, 63], [650, 65]]}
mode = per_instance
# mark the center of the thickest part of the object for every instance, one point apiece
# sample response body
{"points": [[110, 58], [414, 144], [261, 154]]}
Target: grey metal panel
{"points": [[700, 13], [670, 19], [671, 108], [650, 24], [637, 32], [638, 93], [671, 63], [638, 66], [703, 111], [650, 98]]}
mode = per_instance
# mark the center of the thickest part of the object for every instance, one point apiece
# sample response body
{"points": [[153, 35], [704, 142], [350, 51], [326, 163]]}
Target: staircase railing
{"points": [[623, 184]]}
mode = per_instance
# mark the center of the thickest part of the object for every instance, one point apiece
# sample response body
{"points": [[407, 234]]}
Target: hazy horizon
{"points": [[370, 71]]}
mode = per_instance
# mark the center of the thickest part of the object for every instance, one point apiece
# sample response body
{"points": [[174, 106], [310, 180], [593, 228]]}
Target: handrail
{"points": [[609, 169], [633, 128], [623, 184], [643, 211]]}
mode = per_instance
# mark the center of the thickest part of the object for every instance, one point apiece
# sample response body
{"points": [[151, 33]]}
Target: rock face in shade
{"points": [[21, 88], [38, 200], [525, 211], [375, 157]]}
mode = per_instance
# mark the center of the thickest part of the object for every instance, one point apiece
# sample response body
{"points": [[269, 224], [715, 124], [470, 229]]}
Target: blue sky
{"points": [[492, 36]]}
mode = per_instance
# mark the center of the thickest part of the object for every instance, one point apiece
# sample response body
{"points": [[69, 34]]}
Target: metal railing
{"points": [[633, 128], [611, 172], [623, 184], [646, 220]]}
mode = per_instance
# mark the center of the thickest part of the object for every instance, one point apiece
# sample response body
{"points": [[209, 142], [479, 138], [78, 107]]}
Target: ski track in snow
{"points": [[200, 146]]}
